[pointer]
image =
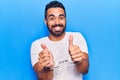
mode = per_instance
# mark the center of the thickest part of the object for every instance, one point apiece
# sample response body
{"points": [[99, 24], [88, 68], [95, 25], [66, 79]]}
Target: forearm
{"points": [[83, 66], [42, 73], [45, 74]]}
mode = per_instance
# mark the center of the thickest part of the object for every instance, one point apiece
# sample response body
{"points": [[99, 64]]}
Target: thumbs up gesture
{"points": [[46, 58], [74, 51]]}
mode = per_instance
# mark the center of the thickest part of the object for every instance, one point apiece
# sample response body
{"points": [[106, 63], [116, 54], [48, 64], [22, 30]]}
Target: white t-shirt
{"points": [[65, 69]]}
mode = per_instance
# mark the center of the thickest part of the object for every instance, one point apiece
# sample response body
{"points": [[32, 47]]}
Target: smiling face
{"points": [[56, 21]]}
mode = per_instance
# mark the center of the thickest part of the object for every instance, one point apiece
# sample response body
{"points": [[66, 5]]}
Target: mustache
{"points": [[61, 25]]}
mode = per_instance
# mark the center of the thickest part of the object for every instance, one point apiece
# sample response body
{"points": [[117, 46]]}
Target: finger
{"points": [[76, 56], [75, 50], [46, 54], [77, 59], [43, 46], [51, 64], [46, 58], [70, 40], [46, 63]]}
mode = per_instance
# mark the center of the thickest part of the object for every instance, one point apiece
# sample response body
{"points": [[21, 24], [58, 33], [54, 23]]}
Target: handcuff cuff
{"points": [[57, 64]]}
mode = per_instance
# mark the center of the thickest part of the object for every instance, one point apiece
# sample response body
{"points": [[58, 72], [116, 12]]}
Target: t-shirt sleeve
{"points": [[35, 50], [80, 41]]}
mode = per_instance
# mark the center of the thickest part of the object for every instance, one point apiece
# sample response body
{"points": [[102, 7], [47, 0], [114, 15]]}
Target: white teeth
{"points": [[57, 28]]}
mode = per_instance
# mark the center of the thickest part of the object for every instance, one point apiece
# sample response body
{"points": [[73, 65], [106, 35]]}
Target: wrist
{"points": [[48, 68], [77, 62], [82, 60]]}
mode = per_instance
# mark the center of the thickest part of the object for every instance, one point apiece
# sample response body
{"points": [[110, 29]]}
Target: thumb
{"points": [[43, 46], [70, 40]]}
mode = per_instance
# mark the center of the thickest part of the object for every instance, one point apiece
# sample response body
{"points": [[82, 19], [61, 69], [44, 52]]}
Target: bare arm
{"points": [[78, 57], [42, 73], [83, 66], [44, 67]]}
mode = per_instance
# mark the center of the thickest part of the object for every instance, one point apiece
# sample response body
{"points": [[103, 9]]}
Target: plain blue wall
{"points": [[22, 21]]}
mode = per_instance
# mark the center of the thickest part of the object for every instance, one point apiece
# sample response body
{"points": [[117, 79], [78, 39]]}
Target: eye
{"points": [[61, 17], [51, 18]]}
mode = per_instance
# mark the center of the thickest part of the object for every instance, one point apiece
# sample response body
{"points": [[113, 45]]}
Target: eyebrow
{"points": [[54, 15], [62, 15], [50, 15]]}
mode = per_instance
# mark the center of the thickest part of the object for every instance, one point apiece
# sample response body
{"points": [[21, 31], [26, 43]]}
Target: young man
{"points": [[61, 55]]}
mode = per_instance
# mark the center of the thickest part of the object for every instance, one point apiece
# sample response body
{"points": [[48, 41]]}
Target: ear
{"points": [[45, 21]]}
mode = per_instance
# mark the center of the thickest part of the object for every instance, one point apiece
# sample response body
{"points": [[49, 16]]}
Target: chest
{"points": [[60, 51]]}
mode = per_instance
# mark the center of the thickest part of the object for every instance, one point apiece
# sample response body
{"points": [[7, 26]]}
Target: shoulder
{"points": [[75, 34], [39, 41]]}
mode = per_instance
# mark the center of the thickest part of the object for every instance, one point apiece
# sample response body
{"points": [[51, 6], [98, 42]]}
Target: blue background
{"points": [[22, 22]]}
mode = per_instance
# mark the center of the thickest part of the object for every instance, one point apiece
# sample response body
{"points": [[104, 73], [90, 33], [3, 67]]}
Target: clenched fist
{"points": [[74, 51], [46, 58]]}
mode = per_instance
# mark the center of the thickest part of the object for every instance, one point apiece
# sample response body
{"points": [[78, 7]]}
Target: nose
{"points": [[57, 21]]}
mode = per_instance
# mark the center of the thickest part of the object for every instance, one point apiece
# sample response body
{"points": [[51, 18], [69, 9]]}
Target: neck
{"points": [[56, 38]]}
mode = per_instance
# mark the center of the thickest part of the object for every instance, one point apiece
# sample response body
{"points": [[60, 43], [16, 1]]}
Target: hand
{"points": [[46, 58], [74, 51]]}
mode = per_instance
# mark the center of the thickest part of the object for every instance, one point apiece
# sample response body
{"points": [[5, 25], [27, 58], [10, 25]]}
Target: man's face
{"points": [[56, 21]]}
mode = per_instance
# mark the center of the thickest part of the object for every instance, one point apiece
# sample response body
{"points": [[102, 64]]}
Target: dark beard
{"points": [[57, 33]]}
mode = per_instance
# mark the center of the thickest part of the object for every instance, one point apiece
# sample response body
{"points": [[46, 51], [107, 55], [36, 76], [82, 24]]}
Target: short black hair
{"points": [[54, 4]]}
